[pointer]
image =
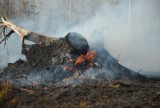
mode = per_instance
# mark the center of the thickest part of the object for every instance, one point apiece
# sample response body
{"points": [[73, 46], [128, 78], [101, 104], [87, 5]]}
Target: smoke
{"points": [[11, 52], [36, 78], [139, 47], [133, 35]]}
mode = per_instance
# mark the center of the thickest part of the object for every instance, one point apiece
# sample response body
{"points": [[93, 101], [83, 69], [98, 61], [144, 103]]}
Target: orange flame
{"points": [[85, 57]]}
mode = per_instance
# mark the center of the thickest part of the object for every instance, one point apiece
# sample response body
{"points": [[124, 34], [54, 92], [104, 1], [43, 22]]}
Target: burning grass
{"points": [[89, 57]]}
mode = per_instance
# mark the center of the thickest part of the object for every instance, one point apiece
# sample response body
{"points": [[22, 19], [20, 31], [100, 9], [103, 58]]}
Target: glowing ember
{"points": [[68, 68], [70, 60], [86, 57]]}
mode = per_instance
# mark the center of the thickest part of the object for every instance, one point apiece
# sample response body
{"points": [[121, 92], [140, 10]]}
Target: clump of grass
{"points": [[104, 97], [5, 88], [83, 104], [115, 85], [158, 92]]}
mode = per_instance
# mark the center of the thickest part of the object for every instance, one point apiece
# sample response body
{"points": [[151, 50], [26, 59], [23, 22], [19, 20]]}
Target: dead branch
{"points": [[23, 33]]}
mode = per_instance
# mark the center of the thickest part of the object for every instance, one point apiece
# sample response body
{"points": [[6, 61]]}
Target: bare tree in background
{"points": [[16, 8], [70, 8]]}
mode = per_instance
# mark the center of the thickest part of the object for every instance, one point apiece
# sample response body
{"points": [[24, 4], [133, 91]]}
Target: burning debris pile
{"points": [[57, 60]]}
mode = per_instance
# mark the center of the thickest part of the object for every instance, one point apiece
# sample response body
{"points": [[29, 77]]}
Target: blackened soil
{"points": [[135, 91], [126, 94]]}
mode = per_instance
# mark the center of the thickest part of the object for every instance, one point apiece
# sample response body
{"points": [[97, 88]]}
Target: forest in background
{"points": [[72, 10], [17, 8]]}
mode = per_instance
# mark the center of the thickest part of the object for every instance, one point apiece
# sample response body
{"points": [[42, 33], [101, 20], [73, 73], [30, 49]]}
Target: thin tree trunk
{"points": [[70, 8], [84, 14], [129, 16]]}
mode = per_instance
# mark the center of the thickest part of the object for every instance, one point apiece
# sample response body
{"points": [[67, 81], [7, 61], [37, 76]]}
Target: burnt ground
{"points": [[113, 86], [127, 93]]}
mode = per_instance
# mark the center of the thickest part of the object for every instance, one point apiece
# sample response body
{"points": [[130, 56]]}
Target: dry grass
{"points": [[115, 85], [83, 104], [113, 94], [4, 90]]}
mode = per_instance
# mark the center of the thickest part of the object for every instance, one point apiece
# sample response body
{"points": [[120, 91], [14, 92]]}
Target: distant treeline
{"points": [[16, 8]]}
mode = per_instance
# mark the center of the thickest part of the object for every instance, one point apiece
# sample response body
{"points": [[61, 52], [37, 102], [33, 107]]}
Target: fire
{"points": [[89, 57], [86, 57]]}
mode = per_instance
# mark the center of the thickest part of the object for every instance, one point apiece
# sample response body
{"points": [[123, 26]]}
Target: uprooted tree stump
{"points": [[59, 58], [42, 56], [63, 57]]}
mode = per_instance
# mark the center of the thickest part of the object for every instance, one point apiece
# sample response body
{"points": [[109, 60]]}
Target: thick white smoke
{"points": [[129, 28]]}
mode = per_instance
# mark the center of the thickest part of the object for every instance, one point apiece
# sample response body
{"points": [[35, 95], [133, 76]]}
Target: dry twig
{"points": [[27, 90]]}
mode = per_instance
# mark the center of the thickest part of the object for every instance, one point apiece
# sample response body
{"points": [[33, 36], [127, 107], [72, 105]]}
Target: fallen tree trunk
{"points": [[75, 40], [26, 34]]}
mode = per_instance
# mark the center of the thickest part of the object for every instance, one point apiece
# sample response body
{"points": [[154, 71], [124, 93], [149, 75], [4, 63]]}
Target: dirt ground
{"points": [[126, 94], [125, 89]]}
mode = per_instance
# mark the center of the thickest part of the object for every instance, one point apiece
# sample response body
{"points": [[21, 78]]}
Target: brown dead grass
{"points": [[5, 88], [109, 94]]}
